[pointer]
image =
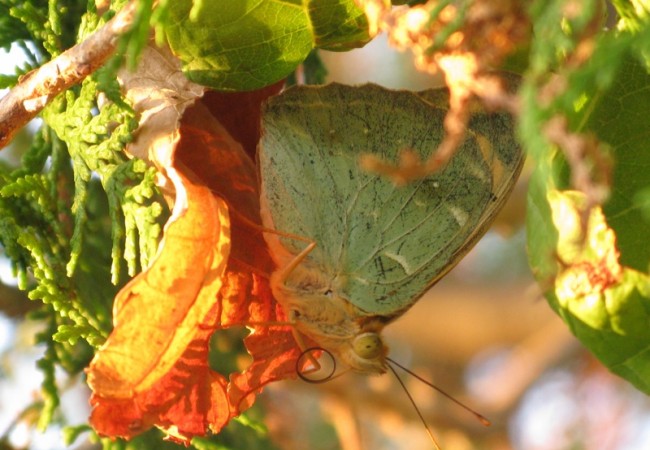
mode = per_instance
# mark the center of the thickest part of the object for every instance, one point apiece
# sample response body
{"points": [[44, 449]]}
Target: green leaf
{"points": [[247, 44], [621, 119], [244, 432], [313, 71], [606, 305]]}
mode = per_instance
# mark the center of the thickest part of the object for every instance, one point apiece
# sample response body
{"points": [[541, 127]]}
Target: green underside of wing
{"points": [[385, 244]]}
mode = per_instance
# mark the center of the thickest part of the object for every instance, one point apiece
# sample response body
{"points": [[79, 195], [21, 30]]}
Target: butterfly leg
{"points": [[281, 277], [284, 273]]}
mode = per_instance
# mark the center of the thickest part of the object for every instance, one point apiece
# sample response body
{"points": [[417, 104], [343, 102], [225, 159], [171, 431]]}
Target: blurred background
{"points": [[484, 334]]}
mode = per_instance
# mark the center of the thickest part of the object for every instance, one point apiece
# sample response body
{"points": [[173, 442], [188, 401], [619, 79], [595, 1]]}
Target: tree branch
{"points": [[37, 88]]}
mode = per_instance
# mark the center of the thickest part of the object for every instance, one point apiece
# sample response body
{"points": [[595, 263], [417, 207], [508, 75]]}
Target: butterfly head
{"points": [[357, 346], [368, 345], [315, 304], [368, 353], [363, 353]]}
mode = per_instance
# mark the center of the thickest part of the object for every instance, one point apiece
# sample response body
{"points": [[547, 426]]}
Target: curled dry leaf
{"points": [[160, 93], [209, 150], [158, 315], [488, 33], [153, 369]]}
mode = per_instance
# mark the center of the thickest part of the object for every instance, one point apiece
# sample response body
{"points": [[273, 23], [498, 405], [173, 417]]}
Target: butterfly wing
{"points": [[385, 244]]}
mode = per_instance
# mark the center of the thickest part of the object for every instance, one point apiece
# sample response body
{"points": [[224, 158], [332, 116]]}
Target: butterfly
{"points": [[370, 249]]}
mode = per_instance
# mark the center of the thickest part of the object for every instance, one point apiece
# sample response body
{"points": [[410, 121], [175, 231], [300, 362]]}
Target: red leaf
{"points": [[246, 297], [158, 317], [186, 397]]}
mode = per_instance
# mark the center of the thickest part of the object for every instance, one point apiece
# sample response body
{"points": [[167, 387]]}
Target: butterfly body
{"points": [[313, 303], [374, 248]]}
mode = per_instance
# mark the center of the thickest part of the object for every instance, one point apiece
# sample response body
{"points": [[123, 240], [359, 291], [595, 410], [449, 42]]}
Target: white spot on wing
{"points": [[401, 261], [362, 281], [461, 216], [479, 173]]}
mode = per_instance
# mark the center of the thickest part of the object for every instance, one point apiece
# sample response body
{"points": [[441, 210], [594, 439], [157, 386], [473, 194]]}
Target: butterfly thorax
{"points": [[313, 302]]}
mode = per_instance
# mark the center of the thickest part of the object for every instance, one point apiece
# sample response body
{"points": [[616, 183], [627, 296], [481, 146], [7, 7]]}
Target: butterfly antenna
{"points": [[415, 406], [481, 418]]}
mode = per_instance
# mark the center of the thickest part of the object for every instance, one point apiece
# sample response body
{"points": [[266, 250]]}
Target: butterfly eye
{"points": [[328, 293], [368, 345]]}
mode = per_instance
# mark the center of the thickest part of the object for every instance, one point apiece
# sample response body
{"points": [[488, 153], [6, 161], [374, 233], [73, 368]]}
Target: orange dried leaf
{"points": [[149, 359], [240, 112], [246, 297], [154, 369], [187, 401], [158, 312]]}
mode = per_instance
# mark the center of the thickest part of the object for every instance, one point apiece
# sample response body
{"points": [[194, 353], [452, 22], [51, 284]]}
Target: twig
{"points": [[591, 169], [37, 88]]}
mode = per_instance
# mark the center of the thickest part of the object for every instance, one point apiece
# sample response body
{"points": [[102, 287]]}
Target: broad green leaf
{"points": [[247, 44], [606, 305], [621, 119], [596, 278]]}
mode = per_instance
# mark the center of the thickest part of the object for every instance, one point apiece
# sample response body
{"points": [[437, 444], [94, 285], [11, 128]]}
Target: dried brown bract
{"points": [[465, 44]]}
